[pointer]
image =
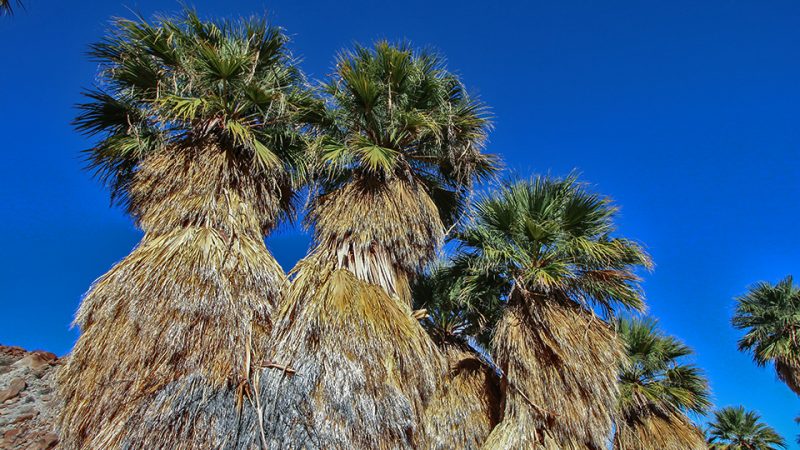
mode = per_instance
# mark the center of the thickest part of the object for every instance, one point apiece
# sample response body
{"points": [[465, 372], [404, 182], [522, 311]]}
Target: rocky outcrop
{"points": [[28, 399]]}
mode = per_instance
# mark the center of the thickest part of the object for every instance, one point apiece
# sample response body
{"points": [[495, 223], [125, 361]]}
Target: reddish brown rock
{"points": [[14, 388], [47, 441], [28, 399]]}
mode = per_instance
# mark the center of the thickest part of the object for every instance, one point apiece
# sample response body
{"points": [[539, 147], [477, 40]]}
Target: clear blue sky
{"points": [[685, 112]]}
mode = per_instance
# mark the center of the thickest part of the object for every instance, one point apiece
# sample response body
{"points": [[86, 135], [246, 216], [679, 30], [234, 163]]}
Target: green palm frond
{"points": [[452, 316], [770, 316], [734, 428], [186, 81], [396, 112], [554, 238], [655, 375]]}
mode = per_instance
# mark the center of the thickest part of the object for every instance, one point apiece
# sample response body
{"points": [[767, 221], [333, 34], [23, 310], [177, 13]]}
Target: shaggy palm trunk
{"points": [[789, 372], [362, 369], [468, 405], [658, 430], [561, 366], [165, 351]]}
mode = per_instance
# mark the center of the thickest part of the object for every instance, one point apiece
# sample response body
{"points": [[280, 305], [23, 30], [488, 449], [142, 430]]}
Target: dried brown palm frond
{"points": [[788, 370], [362, 368], [658, 430], [381, 231], [468, 404], [164, 355], [560, 362]]}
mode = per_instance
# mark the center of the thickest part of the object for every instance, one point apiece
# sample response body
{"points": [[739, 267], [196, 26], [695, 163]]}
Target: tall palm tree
{"points": [[402, 145], [733, 428], [198, 141], [548, 245], [657, 390], [771, 316], [468, 405]]}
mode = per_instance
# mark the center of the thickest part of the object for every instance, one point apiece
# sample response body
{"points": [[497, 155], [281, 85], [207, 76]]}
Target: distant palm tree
{"points": [[733, 428], [770, 315], [402, 145], [198, 140], [546, 246], [657, 390]]}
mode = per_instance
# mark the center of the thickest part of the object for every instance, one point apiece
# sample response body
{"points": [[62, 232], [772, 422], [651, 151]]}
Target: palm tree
{"points": [[402, 145], [547, 245], [657, 390], [468, 405], [197, 140], [733, 428], [771, 316]]}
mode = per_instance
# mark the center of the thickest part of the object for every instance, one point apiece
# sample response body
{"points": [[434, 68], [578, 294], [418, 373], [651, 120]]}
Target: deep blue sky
{"points": [[685, 112]]}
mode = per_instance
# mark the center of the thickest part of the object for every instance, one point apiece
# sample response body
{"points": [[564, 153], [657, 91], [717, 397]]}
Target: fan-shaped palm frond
{"points": [[733, 428], [401, 147], [770, 315], [198, 135], [453, 318], [657, 390], [546, 245]]}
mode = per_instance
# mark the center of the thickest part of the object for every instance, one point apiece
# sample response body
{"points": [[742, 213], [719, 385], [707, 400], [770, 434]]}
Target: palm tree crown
{"points": [[182, 86], [657, 390], [402, 145], [653, 374], [733, 428], [771, 316], [552, 238]]}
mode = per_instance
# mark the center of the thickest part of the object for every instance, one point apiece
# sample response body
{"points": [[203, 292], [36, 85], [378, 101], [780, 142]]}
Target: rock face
{"points": [[28, 399]]}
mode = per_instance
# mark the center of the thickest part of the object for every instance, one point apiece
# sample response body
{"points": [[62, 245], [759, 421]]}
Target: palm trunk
{"points": [[164, 355], [468, 405], [560, 364], [362, 367], [789, 372], [651, 429]]}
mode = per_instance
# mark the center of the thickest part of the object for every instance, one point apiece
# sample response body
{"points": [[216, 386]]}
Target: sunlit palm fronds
{"points": [[189, 83], [547, 245], [734, 428], [770, 315], [197, 135], [657, 389]]}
